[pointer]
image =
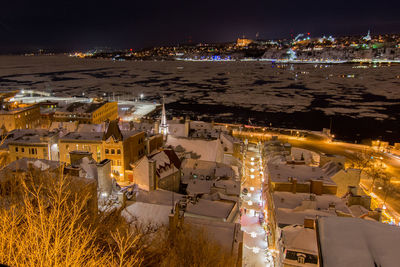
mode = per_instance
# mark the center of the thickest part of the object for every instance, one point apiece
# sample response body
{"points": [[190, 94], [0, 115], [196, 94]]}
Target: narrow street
{"points": [[255, 246]]}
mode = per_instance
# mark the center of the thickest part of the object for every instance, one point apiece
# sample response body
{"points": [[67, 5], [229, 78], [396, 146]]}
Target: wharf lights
{"points": [[252, 163], [251, 170], [252, 176], [253, 234], [252, 158], [251, 188], [250, 202]]}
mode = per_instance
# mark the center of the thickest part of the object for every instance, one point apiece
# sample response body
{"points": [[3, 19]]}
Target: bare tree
{"points": [[44, 221], [362, 160]]}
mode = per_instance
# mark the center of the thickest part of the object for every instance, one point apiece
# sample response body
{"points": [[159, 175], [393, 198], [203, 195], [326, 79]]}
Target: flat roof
{"points": [[83, 136], [81, 107]]}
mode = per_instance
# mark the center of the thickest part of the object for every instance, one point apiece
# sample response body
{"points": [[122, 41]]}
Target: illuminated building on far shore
{"points": [[243, 42]]}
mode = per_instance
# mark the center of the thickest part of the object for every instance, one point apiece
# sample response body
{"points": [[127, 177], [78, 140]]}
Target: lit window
{"points": [[107, 151], [119, 151], [113, 151]]}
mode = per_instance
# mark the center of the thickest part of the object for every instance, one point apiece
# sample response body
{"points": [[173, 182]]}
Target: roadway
{"points": [[322, 144]]}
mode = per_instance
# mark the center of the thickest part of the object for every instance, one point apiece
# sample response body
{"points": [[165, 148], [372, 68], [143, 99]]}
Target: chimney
{"points": [[152, 175], [379, 214], [352, 190], [104, 180], [187, 126], [76, 156], [294, 185], [316, 187], [121, 198], [309, 222]]}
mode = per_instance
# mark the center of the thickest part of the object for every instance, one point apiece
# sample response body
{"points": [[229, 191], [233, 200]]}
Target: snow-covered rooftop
{"points": [[147, 213], [25, 163], [208, 208], [203, 168], [86, 136], [159, 196], [210, 150], [289, 200], [353, 242], [300, 239], [303, 173]]}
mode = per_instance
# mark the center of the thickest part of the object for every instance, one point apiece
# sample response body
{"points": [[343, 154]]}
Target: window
{"points": [[119, 151], [107, 151], [16, 149], [22, 150], [113, 151]]}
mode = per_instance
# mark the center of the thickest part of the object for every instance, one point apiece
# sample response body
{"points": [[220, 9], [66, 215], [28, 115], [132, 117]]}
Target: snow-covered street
{"points": [[255, 245]]}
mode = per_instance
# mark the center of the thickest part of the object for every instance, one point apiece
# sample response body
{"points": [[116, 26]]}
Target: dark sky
{"points": [[70, 25]]}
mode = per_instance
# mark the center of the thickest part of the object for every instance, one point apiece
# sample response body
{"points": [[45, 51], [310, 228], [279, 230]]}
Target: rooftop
{"points": [[27, 136], [300, 239], [356, 242], [279, 172], [147, 213], [208, 208], [17, 110], [210, 150], [289, 200], [83, 136], [80, 107]]}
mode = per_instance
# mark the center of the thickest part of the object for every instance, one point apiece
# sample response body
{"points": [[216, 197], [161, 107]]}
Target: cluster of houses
{"points": [[307, 202], [171, 173], [178, 172]]}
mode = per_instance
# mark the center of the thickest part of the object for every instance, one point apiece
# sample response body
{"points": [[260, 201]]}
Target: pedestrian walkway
{"points": [[255, 246]]}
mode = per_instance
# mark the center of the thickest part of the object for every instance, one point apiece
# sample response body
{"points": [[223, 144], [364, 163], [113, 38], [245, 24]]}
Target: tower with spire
{"points": [[163, 125]]}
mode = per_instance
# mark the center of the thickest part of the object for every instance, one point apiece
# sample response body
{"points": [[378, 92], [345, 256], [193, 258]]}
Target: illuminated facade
{"points": [[243, 42], [94, 113], [121, 147], [20, 118], [36, 144]]}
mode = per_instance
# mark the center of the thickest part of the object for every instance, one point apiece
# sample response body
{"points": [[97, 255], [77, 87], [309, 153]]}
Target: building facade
{"points": [[92, 113], [121, 147], [20, 118]]}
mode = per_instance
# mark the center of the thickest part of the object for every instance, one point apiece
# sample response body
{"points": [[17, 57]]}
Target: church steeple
{"points": [[163, 125]]}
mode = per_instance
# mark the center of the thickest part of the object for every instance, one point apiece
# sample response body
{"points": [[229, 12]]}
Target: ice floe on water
{"points": [[339, 90]]}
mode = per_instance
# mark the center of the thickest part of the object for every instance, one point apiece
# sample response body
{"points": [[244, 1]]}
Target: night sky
{"points": [[71, 25]]}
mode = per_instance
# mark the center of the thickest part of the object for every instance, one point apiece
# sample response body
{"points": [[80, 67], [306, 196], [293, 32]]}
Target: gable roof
{"points": [[114, 131]]}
